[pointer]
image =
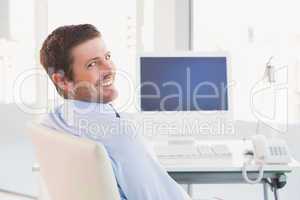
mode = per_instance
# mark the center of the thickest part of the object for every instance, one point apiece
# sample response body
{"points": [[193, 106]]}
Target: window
{"points": [[252, 32], [17, 54]]}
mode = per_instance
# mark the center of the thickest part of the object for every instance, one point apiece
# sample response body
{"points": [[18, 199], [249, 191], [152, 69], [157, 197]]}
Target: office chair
{"points": [[73, 168]]}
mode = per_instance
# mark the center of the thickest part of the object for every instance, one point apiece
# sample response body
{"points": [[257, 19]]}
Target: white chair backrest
{"points": [[73, 168]]}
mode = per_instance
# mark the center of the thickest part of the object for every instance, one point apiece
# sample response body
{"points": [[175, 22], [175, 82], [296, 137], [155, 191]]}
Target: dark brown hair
{"points": [[55, 54]]}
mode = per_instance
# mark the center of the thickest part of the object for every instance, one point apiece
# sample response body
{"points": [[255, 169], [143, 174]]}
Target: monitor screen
{"points": [[183, 84]]}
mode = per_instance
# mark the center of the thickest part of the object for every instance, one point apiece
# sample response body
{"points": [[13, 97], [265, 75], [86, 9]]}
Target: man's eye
{"points": [[92, 64], [108, 57]]}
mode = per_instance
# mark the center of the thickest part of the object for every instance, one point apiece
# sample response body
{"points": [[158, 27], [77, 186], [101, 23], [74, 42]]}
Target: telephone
{"points": [[272, 151]]}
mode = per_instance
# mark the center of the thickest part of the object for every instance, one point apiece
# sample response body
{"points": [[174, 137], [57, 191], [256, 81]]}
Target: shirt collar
{"points": [[84, 107], [72, 108]]}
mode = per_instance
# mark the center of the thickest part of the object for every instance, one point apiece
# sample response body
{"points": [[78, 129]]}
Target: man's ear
{"points": [[62, 82]]}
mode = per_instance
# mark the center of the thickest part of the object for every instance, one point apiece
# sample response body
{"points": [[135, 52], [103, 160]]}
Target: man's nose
{"points": [[108, 66]]}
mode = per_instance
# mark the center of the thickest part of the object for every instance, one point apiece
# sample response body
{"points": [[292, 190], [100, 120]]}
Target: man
{"points": [[81, 68]]}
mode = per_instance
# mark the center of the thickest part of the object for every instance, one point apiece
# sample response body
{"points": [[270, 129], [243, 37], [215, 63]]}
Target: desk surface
{"points": [[233, 168], [273, 168], [224, 174], [235, 165]]}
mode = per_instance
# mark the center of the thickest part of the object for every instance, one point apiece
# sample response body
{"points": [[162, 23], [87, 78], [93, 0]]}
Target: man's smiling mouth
{"points": [[107, 81]]}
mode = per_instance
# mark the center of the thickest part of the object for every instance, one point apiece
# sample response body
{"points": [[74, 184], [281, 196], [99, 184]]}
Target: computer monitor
{"points": [[186, 86], [184, 83]]}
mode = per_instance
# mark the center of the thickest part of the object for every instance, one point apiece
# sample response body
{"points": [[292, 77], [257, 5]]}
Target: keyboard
{"points": [[194, 154]]}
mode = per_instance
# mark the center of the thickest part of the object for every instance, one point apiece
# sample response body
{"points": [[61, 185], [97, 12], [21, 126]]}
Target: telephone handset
{"points": [[270, 151]]}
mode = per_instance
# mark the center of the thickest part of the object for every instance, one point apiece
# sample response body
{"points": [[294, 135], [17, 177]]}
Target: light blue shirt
{"points": [[138, 174]]}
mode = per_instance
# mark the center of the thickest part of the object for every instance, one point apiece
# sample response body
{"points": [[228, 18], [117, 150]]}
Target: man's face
{"points": [[93, 72]]}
